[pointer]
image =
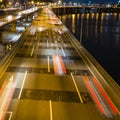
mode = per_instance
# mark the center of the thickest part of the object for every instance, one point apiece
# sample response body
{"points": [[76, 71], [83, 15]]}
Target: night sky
{"points": [[93, 1]]}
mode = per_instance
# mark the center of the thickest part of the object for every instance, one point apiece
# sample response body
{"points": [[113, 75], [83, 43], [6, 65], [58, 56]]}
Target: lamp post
{"points": [[81, 29]]}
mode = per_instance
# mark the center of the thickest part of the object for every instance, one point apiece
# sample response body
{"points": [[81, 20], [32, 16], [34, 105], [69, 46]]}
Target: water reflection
{"points": [[73, 23], [101, 36]]}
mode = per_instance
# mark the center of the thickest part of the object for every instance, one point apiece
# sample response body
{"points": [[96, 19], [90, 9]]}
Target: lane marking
{"points": [[76, 88], [51, 111], [32, 50], [11, 113], [63, 51], [22, 84], [48, 64]]}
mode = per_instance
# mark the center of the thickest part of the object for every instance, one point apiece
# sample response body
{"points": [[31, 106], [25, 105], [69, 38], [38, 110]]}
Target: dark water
{"points": [[101, 37]]}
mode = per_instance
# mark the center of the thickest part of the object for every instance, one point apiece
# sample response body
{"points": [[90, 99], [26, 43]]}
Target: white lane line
{"points": [[32, 50], [51, 112], [63, 51], [22, 84], [48, 64], [11, 113], [76, 88]]}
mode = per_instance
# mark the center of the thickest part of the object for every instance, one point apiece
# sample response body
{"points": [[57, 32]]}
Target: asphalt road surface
{"points": [[48, 80]]}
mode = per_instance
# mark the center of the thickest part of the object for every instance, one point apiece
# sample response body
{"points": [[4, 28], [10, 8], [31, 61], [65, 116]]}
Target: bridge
{"points": [[62, 9], [85, 9], [49, 75]]}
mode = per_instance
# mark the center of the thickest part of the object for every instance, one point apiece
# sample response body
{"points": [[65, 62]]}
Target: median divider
{"points": [[7, 59]]}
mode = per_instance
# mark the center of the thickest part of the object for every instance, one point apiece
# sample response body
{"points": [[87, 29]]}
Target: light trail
{"points": [[63, 51], [32, 50], [59, 67], [93, 95], [62, 64], [76, 88], [6, 96], [22, 85], [107, 98], [32, 31], [106, 109], [100, 76]]}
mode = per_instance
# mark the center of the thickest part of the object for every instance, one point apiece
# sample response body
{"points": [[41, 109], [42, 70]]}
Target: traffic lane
{"points": [[75, 63], [35, 106], [107, 110], [48, 48], [11, 80], [31, 62], [49, 82], [39, 79], [57, 51], [33, 110], [17, 77], [75, 111]]}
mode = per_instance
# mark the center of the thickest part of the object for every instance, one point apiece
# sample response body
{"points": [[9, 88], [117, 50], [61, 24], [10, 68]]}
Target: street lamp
{"points": [[32, 2]]}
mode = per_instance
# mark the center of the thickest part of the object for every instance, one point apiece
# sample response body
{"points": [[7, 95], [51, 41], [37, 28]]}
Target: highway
{"points": [[49, 80], [7, 19]]}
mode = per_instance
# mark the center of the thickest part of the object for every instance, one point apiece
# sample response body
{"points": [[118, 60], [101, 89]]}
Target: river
{"points": [[100, 36]]}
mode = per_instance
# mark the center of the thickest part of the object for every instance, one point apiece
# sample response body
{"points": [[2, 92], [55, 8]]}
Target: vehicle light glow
{"points": [[105, 96]]}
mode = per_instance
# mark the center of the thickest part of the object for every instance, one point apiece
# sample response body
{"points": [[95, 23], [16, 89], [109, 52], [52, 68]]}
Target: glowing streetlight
{"points": [[9, 3], [32, 2], [59, 2], [38, 3]]}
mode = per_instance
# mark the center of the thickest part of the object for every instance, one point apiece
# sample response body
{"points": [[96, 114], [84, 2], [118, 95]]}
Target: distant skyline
{"points": [[79, 1], [93, 1]]}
